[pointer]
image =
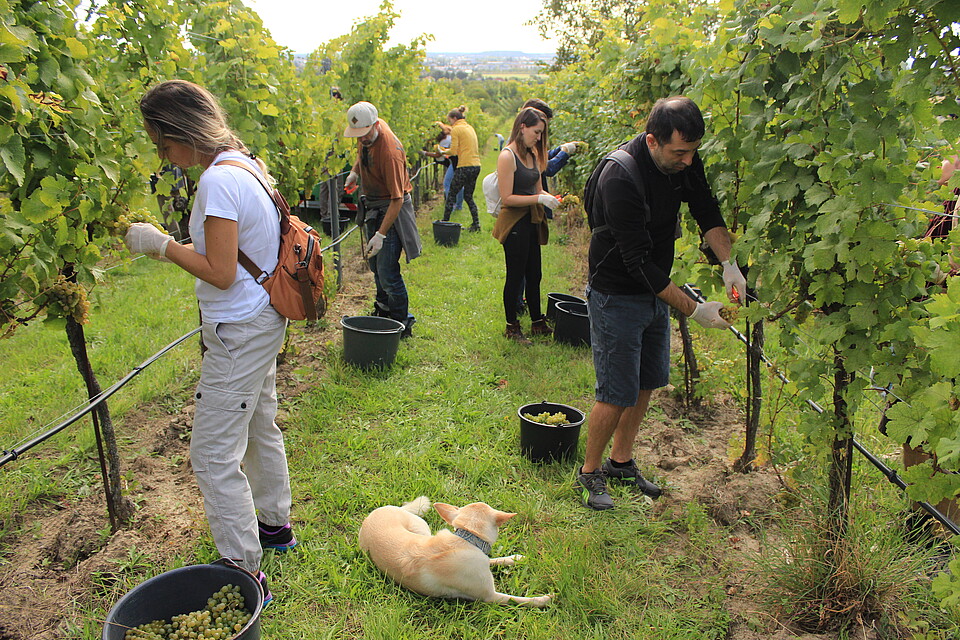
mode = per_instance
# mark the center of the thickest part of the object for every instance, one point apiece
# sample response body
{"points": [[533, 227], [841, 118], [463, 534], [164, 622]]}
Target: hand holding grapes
{"points": [[707, 314], [143, 237]]}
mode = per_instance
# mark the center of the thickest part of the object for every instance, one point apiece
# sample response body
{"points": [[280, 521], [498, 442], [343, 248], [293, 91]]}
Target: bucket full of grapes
{"points": [[549, 431], [218, 600]]}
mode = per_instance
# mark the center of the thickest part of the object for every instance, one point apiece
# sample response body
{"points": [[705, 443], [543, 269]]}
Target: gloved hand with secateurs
{"points": [[143, 237], [350, 184], [549, 201], [734, 282]]}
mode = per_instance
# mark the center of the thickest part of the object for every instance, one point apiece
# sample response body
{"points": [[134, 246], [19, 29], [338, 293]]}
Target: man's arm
{"points": [[719, 240], [393, 210], [676, 298]]}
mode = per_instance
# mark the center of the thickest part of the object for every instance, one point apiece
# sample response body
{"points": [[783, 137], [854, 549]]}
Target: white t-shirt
{"points": [[232, 193]]}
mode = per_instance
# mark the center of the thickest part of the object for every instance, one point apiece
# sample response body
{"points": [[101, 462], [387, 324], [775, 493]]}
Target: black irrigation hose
{"points": [[16, 452], [889, 473]]}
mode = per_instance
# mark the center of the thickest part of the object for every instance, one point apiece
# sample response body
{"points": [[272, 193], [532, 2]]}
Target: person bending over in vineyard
{"points": [[236, 449], [633, 214], [444, 139], [556, 159], [464, 146], [521, 226], [381, 168]]}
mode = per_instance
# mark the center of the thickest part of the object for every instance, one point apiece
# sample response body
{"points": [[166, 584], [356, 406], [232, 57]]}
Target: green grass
{"points": [[441, 422]]}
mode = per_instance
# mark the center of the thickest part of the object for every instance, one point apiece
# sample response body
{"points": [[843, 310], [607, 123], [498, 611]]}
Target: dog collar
{"points": [[473, 539]]}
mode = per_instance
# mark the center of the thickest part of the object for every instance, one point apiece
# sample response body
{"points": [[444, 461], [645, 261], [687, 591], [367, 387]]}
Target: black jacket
{"points": [[636, 256]]}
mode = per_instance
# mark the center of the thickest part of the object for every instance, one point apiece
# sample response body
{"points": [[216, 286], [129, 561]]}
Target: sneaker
{"points": [[475, 227], [277, 538], [630, 474], [593, 490], [267, 596]]}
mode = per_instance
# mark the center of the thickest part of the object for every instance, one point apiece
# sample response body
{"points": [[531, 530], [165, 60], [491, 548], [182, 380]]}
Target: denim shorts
{"points": [[630, 337]]}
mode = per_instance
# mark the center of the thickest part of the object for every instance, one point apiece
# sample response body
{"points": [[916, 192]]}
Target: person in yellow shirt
{"points": [[466, 150]]}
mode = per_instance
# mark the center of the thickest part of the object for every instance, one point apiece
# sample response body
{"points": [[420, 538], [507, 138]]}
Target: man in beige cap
{"points": [[391, 225]]}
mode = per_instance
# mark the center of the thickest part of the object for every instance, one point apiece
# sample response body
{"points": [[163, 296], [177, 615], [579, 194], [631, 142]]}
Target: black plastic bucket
{"points": [[370, 341], [572, 324], [182, 591], [328, 227], [554, 298], [544, 442], [446, 233]]}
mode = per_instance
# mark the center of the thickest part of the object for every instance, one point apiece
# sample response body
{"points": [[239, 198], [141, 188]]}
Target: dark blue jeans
{"points": [[392, 300]]}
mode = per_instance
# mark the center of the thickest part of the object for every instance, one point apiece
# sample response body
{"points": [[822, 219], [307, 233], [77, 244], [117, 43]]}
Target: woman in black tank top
{"points": [[521, 226]]}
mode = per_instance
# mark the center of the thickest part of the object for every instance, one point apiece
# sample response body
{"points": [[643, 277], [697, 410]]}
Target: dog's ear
{"points": [[447, 511], [502, 517]]}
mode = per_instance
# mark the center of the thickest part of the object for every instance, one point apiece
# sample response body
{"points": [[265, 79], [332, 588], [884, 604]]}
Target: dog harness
{"points": [[473, 539]]}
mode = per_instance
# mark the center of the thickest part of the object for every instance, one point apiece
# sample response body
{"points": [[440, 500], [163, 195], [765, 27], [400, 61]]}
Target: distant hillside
{"points": [[491, 55]]}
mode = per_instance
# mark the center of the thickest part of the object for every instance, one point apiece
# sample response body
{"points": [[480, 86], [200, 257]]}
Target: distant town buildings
{"points": [[488, 64]]}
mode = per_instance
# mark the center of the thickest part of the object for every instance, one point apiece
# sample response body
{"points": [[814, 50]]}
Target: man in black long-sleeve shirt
{"points": [[630, 291]]}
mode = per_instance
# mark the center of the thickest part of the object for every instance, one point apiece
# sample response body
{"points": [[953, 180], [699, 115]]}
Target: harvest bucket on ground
{"points": [[327, 225], [370, 341], [446, 233], [184, 590], [572, 324], [555, 297], [544, 442]]}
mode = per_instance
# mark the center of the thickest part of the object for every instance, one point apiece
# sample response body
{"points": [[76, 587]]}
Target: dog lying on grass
{"points": [[450, 564]]}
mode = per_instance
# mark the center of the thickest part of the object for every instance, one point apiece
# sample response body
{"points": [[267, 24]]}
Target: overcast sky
{"points": [[467, 26]]}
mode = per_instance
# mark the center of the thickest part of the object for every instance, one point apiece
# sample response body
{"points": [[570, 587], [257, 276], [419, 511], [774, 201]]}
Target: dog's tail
{"points": [[417, 506]]}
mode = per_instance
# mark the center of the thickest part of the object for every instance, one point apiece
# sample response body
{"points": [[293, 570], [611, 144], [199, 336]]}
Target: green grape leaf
{"points": [[14, 158], [268, 109]]}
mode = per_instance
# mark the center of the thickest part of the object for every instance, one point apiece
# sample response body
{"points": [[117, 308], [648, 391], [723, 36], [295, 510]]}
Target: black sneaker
{"points": [[475, 227], [276, 538], [593, 490], [630, 474], [267, 596]]}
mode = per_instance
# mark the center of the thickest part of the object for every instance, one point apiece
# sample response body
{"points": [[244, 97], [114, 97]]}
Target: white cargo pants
{"points": [[236, 403]]}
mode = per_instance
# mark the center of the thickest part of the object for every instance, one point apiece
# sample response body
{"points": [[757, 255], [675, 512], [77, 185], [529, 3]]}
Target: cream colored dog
{"points": [[450, 564]]}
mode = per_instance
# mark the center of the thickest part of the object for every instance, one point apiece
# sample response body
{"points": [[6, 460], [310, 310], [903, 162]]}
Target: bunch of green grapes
{"points": [[554, 419], [729, 314], [224, 616], [66, 299], [124, 220]]}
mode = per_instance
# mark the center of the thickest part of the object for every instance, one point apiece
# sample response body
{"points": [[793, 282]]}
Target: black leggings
{"points": [[522, 253], [465, 178]]}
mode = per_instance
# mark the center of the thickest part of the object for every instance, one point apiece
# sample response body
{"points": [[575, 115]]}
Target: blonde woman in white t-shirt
{"points": [[236, 399]]}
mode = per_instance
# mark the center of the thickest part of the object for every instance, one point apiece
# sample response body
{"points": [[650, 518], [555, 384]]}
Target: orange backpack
{"points": [[296, 286]]}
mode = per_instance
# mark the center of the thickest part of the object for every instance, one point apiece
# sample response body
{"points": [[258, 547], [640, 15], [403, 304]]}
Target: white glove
{"points": [[351, 180], [733, 280], [548, 201], [375, 244], [569, 148], [707, 314], [143, 237]]}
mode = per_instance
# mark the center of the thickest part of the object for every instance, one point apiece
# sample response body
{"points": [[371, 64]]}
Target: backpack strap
{"points": [[629, 163], [283, 210]]}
